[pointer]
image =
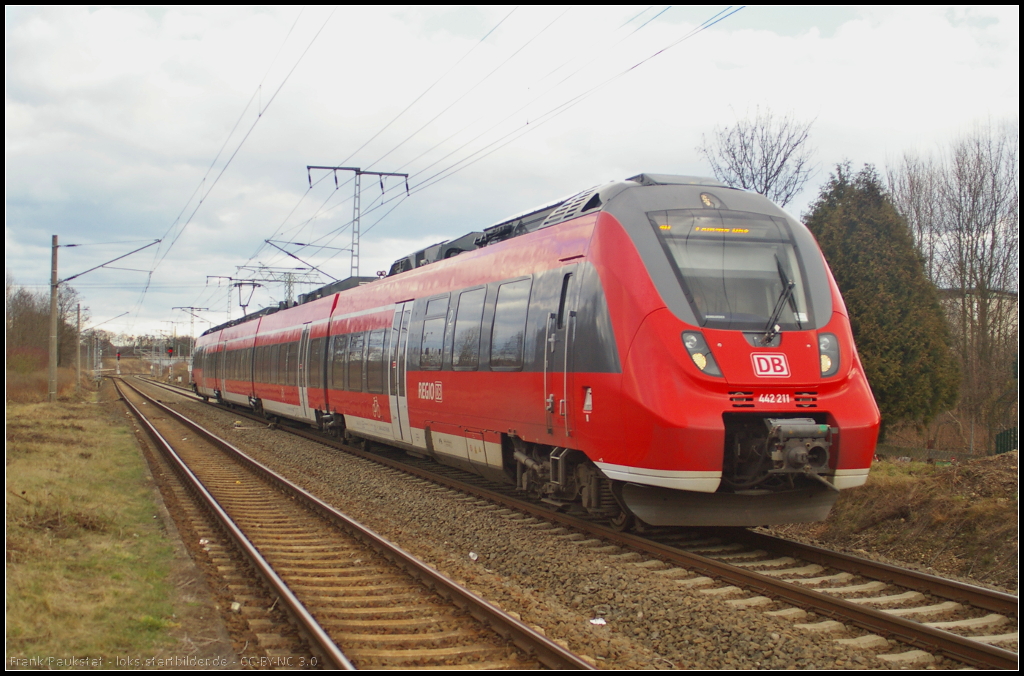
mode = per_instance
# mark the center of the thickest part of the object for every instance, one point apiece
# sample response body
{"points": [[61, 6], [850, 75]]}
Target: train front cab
{"points": [[745, 399]]}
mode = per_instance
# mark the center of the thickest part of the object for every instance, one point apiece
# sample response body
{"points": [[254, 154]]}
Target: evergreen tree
{"points": [[901, 331]]}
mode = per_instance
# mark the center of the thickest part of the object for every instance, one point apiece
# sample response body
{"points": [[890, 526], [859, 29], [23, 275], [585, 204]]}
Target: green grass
{"points": [[903, 469], [87, 558]]}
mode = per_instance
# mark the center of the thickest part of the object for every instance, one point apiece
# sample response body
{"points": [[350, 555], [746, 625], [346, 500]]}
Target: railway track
{"points": [[866, 602], [358, 600]]}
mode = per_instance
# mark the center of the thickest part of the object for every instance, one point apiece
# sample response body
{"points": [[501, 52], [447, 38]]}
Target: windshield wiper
{"points": [[788, 285]]}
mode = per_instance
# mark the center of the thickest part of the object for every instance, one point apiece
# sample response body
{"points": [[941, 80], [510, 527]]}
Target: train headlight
{"points": [[828, 350], [700, 353]]}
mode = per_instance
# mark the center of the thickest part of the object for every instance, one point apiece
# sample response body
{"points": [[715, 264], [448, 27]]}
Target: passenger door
{"points": [[222, 368], [303, 372], [559, 335], [397, 348]]}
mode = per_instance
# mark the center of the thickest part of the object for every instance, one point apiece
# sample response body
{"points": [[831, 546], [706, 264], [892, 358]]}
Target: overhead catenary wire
{"points": [[557, 110], [161, 256], [421, 128], [547, 117], [474, 86], [337, 232], [379, 132], [520, 131], [241, 116], [259, 116]]}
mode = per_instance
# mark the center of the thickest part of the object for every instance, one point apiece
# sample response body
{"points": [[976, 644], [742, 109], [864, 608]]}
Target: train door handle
{"points": [[561, 407]]}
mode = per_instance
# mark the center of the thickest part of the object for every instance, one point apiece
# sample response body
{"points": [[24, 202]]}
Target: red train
{"points": [[663, 349]]}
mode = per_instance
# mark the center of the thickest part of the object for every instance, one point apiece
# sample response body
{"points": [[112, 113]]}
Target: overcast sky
{"points": [[195, 126]]}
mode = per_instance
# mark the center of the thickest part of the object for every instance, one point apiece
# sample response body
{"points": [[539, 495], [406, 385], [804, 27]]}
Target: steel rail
{"points": [[989, 599], [522, 635], [313, 629]]}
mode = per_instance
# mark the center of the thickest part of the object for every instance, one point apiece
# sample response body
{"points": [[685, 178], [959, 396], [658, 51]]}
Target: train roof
{"points": [[568, 207], [577, 204]]}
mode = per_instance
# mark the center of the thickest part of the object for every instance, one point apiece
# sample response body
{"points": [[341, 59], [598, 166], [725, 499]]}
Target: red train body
{"points": [[663, 349]]}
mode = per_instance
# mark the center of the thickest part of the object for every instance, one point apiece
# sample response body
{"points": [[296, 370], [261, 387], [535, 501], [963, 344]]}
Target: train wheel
{"points": [[622, 521]]}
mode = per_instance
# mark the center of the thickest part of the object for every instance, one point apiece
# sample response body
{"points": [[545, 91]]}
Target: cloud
{"points": [[114, 115]]}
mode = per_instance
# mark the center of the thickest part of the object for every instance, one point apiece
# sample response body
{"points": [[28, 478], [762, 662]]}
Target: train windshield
{"points": [[735, 268]]}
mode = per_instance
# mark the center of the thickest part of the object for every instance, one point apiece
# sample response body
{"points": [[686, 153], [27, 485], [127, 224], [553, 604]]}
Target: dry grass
{"points": [[87, 558], [33, 386], [958, 519]]}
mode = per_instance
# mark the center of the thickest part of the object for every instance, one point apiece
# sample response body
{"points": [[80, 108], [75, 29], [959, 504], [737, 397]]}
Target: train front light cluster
{"points": [[828, 351], [700, 353]]}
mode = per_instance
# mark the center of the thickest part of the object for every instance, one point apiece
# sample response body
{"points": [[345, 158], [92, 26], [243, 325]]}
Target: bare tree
{"points": [[964, 210], [980, 263], [914, 187], [27, 320], [768, 154]]}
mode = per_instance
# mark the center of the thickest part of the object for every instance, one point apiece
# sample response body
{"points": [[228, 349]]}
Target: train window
{"points": [[433, 343], [375, 362], [355, 362], [509, 330], [337, 362], [735, 266], [293, 364], [466, 346], [561, 300], [316, 363], [438, 307], [273, 359]]}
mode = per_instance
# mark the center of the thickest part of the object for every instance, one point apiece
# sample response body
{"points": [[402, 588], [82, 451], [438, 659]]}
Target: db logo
{"points": [[770, 365]]}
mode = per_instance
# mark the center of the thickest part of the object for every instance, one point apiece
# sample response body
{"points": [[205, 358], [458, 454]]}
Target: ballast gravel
{"points": [[611, 606]]}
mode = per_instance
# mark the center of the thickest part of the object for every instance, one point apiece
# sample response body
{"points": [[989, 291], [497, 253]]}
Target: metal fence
{"points": [[1006, 441]]}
